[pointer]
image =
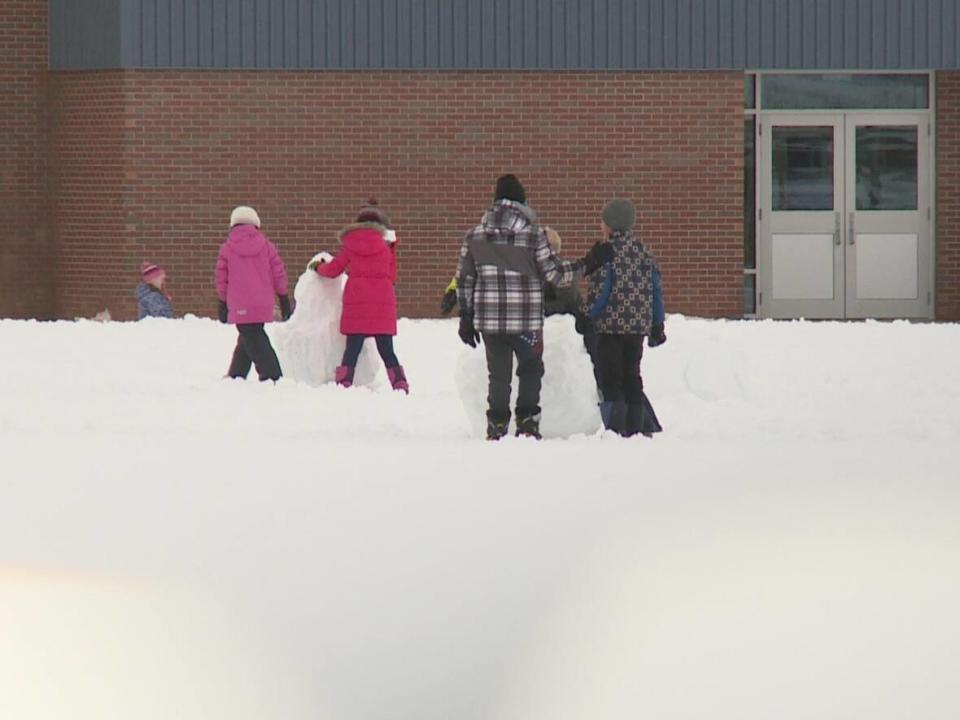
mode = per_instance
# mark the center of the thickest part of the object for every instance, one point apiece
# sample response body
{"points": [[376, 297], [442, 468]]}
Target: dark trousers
{"points": [[619, 363], [528, 347], [384, 346], [253, 346]]}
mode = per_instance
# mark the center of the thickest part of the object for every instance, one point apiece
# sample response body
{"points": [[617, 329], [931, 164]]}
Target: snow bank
{"points": [[173, 544]]}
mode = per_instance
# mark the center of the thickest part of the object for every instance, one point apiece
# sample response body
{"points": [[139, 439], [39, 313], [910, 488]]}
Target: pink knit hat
{"points": [[150, 271]]}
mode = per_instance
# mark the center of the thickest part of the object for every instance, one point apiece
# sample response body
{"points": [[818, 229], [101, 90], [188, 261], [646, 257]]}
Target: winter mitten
{"points": [[657, 336], [222, 312], [449, 302], [468, 333], [599, 255], [285, 310]]}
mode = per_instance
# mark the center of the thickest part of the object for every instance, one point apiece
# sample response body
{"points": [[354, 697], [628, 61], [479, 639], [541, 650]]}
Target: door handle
{"points": [[836, 228], [851, 235]]}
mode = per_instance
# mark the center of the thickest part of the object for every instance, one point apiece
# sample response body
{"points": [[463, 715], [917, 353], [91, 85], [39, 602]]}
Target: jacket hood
{"points": [[508, 215], [366, 238], [246, 240]]}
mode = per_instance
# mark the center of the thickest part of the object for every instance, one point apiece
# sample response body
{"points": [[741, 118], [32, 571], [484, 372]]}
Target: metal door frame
{"points": [[922, 307], [760, 114], [844, 147], [767, 306]]}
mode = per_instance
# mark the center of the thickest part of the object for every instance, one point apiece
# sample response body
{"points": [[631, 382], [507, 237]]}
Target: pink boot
{"points": [[343, 376], [398, 379]]}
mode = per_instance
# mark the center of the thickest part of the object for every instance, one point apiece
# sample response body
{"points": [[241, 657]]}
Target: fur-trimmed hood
{"points": [[364, 238]]}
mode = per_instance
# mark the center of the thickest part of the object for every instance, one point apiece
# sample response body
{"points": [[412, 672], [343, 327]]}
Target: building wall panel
{"points": [[505, 34], [153, 167], [27, 253]]}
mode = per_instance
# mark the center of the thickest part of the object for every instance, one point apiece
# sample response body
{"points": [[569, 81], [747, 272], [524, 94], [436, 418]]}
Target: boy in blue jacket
{"points": [[625, 303]]}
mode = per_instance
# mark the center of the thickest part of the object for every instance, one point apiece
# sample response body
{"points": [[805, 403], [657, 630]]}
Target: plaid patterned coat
{"points": [[503, 263], [625, 296]]}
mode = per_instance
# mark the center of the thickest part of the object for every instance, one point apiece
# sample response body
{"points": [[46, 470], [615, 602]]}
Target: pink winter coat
{"points": [[250, 274], [369, 304]]}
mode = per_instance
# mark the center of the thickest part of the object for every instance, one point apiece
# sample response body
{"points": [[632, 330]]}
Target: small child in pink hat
{"points": [[152, 301]]}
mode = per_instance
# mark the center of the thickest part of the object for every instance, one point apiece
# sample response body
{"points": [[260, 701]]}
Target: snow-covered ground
{"points": [[175, 545]]}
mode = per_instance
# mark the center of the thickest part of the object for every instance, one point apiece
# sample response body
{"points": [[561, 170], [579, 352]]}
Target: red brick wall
{"points": [[89, 188], [27, 278], [948, 195], [151, 162]]}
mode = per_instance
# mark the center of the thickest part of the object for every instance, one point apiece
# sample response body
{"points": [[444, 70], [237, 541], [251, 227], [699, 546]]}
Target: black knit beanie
{"points": [[509, 188]]}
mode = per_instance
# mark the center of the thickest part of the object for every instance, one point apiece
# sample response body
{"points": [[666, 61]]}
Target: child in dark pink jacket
{"points": [[249, 275], [368, 254]]}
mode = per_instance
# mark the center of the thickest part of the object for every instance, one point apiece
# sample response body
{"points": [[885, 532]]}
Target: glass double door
{"points": [[844, 222]]}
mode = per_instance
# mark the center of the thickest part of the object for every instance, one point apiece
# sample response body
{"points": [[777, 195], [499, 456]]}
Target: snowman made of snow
{"points": [[309, 344]]}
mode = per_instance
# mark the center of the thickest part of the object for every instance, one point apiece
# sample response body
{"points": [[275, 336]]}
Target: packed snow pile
{"points": [[568, 392], [177, 545], [309, 344]]}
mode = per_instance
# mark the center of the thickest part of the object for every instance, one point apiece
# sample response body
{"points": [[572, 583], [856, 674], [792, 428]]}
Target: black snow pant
{"points": [[500, 349], [619, 360], [625, 408], [253, 346]]}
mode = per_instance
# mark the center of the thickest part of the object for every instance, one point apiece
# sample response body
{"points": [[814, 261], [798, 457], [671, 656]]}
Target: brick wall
{"points": [[89, 186], [150, 164], [948, 195], [27, 279]]}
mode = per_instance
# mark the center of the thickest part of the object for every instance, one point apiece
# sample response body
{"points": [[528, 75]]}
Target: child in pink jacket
{"points": [[249, 275], [368, 255]]}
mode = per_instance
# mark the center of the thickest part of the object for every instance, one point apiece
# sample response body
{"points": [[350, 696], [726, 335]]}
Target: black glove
{"points": [[599, 255], [468, 333], [657, 336], [582, 324], [449, 301], [285, 310], [222, 311]]}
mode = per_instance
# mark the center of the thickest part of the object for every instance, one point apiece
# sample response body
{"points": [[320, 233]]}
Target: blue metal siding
{"points": [[84, 35], [506, 34]]}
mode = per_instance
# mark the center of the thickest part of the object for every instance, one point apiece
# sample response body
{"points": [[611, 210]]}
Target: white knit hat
{"points": [[244, 215]]}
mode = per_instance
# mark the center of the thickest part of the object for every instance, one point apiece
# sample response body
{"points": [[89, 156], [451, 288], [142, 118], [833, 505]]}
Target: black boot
{"points": [[528, 426], [642, 419], [497, 427], [614, 416]]}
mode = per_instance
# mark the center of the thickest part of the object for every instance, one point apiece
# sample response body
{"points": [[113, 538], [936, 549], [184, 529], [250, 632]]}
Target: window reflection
{"points": [[811, 91], [749, 92], [749, 194], [802, 168], [886, 168]]}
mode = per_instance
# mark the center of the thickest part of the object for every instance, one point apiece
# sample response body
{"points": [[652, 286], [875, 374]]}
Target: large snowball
{"points": [[568, 398], [309, 344]]}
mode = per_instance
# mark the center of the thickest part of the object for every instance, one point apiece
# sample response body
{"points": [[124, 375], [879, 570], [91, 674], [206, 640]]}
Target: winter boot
{"points": [[614, 416], [398, 379], [642, 419], [496, 427], [343, 376], [528, 426]]}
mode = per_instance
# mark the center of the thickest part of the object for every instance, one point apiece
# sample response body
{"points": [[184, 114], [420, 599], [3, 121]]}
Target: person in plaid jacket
{"points": [[503, 264]]}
